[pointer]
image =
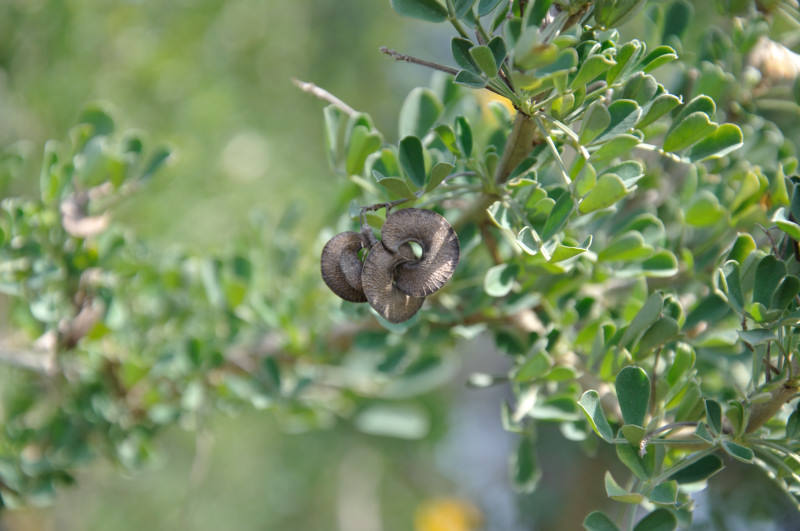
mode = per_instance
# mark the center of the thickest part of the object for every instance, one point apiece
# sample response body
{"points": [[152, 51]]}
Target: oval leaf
{"points": [[633, 393], [608, 190], [689, 131], [429, 10], [590, 404]]}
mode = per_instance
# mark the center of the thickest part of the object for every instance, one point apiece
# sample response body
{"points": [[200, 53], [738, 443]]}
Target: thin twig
{"points": [[435, 66], [413, 60], [324, 95]]}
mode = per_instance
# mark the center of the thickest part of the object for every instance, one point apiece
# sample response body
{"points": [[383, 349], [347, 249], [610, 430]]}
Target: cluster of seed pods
{"points": [[392, 278]]}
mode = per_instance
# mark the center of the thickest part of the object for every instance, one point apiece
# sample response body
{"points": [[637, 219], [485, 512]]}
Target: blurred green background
{"points": [[213, 79]]}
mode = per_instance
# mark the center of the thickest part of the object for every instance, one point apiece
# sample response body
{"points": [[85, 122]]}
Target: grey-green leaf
{"points": [[596, 120], [590, 404], [429, 10], [412, 160], [500, 279], [484, 58], [419, 112], [608, 190], [726, 138], [633, 393], [689, 131], [658, 520], [598, 521]]}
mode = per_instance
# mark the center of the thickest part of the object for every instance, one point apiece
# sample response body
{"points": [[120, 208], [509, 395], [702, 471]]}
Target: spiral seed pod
{"points": [[440, 250], [341, 268], [377, 280]]}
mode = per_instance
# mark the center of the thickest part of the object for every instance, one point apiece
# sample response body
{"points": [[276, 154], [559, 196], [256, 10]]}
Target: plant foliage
{"points": [[628, 220]]}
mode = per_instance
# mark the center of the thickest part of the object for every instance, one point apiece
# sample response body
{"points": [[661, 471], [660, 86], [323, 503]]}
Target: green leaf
{"points": [[524, 468], [666, 492], [460, 48], [786, 292], [660, 333], [596, 120], [617, 493], [701, 103], [714, 415], [633, 392], [590, 404], [527, 241], [633, 434], [700, 470], [462, 6], [469, 79], [661, 265], [608, 190], [769, 273], [703, 432], [613, 13], [683, 362], [736, 417], [536, 366], [485, 6], [590, 69], [362, 142], [624, 114], [598, 521], [790, 228], [658, 57], [412, 160], [448, 137], [499, 51], [658, 520], [640, 88], [501, 215], [689, 131], [793, 425], [484, 58], [565, 252], [620, 145], [627, 246], [743, 247], [646, 316], [464, 135], [704, 210], [558, 215], [500, 279], [438, 174], [737, 451], [642, 467], [676, 20], [727, 138], [536, 11], [98, 116], [757, 336], [565, 59], [663, 104], [395, 185], [429, 10], [419, 112], [626, 57]]}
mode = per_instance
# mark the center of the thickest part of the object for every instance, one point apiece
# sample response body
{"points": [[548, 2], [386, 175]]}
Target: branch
{"points": [[324, 95]]}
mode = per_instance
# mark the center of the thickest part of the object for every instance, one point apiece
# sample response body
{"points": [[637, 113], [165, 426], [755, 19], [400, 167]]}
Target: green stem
{"points": [[554, 150]]}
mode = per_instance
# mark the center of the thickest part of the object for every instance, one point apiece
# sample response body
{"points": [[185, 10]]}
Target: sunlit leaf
{"points": [[590, 404]]}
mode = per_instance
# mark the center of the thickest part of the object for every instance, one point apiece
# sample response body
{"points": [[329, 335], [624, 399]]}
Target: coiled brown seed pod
{"points": [[341, 267], [377, 280], [439, 244]]}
